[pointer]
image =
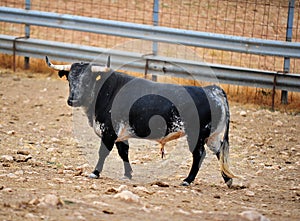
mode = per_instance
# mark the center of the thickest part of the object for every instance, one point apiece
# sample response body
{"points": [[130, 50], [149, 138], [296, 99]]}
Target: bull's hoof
{"points": [[125, 178], [185, 183], [95, 174], [229, 183]]}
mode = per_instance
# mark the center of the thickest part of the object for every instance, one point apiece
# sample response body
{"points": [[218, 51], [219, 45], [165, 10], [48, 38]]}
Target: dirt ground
{"points": [[44, 166]]}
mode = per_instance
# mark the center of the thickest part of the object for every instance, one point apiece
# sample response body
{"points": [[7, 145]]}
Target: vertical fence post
{"points": [[27, 34], [289, 33], [155, 23]]}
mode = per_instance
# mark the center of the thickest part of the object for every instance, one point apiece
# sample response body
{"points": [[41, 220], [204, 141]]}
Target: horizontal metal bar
{"points": [[153, 33], [136, 62], [224, 74]]}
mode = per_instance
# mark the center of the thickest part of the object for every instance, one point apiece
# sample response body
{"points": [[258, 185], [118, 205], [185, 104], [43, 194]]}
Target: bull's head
{"points": [[82, 79]]}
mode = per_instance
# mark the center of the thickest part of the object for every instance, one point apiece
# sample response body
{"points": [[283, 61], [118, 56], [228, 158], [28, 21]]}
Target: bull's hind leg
{"points": [[198, 156], [222, 156], [123, 148], [104, 151], [226, 178], [221, 149]]}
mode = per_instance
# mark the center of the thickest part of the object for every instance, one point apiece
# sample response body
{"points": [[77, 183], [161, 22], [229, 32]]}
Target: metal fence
{"points": [[248, 18]]}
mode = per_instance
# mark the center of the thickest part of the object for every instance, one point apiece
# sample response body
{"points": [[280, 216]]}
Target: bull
{"points": [[120, 107]]}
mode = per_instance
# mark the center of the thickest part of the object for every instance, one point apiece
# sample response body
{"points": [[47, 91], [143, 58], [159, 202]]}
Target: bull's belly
{"points": [[126, 133]]}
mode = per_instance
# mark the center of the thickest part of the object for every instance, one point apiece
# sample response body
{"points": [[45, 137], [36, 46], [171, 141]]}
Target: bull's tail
{"points": [[224, 150]]}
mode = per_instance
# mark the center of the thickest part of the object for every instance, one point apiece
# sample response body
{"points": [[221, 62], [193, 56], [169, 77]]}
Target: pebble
{"points": [[116, 190], [253, 216], [22, 158], [50, 200], [7, 189], [278, 123], [67, 171], [243, 113], [160, 184], [121, 188], [111, 191], [11, 132], [53, 159], [197, 211], [7, 158], [12, 175], [83, 166], [22, 179], [55, 140], [16, 78], [183, 212], [79, 215], [5, 164], [142, 189], [127, 196], [19, 172], [52, 149], [78, 172], [259, 172], [93, 187], [80, 218], [107, 212], [136, 162], [34, 201], [249, 193], [30, 123], [59, 180], [99, 203], [68, 167], [23, 152], [30, 216], [78, 188]]}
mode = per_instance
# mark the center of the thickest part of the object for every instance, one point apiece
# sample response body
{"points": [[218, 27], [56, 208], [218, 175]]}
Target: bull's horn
{"points": [[97, 68], [66, 67]]}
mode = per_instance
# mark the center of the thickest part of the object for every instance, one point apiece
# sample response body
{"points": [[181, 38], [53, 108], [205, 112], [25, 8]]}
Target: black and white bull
{"points": [[120, 107]]}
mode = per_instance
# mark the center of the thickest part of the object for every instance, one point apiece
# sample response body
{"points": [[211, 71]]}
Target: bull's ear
{"points": [[63, 73]]}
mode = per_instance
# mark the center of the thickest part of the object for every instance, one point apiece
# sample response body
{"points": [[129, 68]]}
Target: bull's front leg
{"points": [[104, 151], [123, 149]]}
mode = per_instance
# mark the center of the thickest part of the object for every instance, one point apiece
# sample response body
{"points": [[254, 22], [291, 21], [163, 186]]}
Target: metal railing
{"points": [[158, 65]]}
